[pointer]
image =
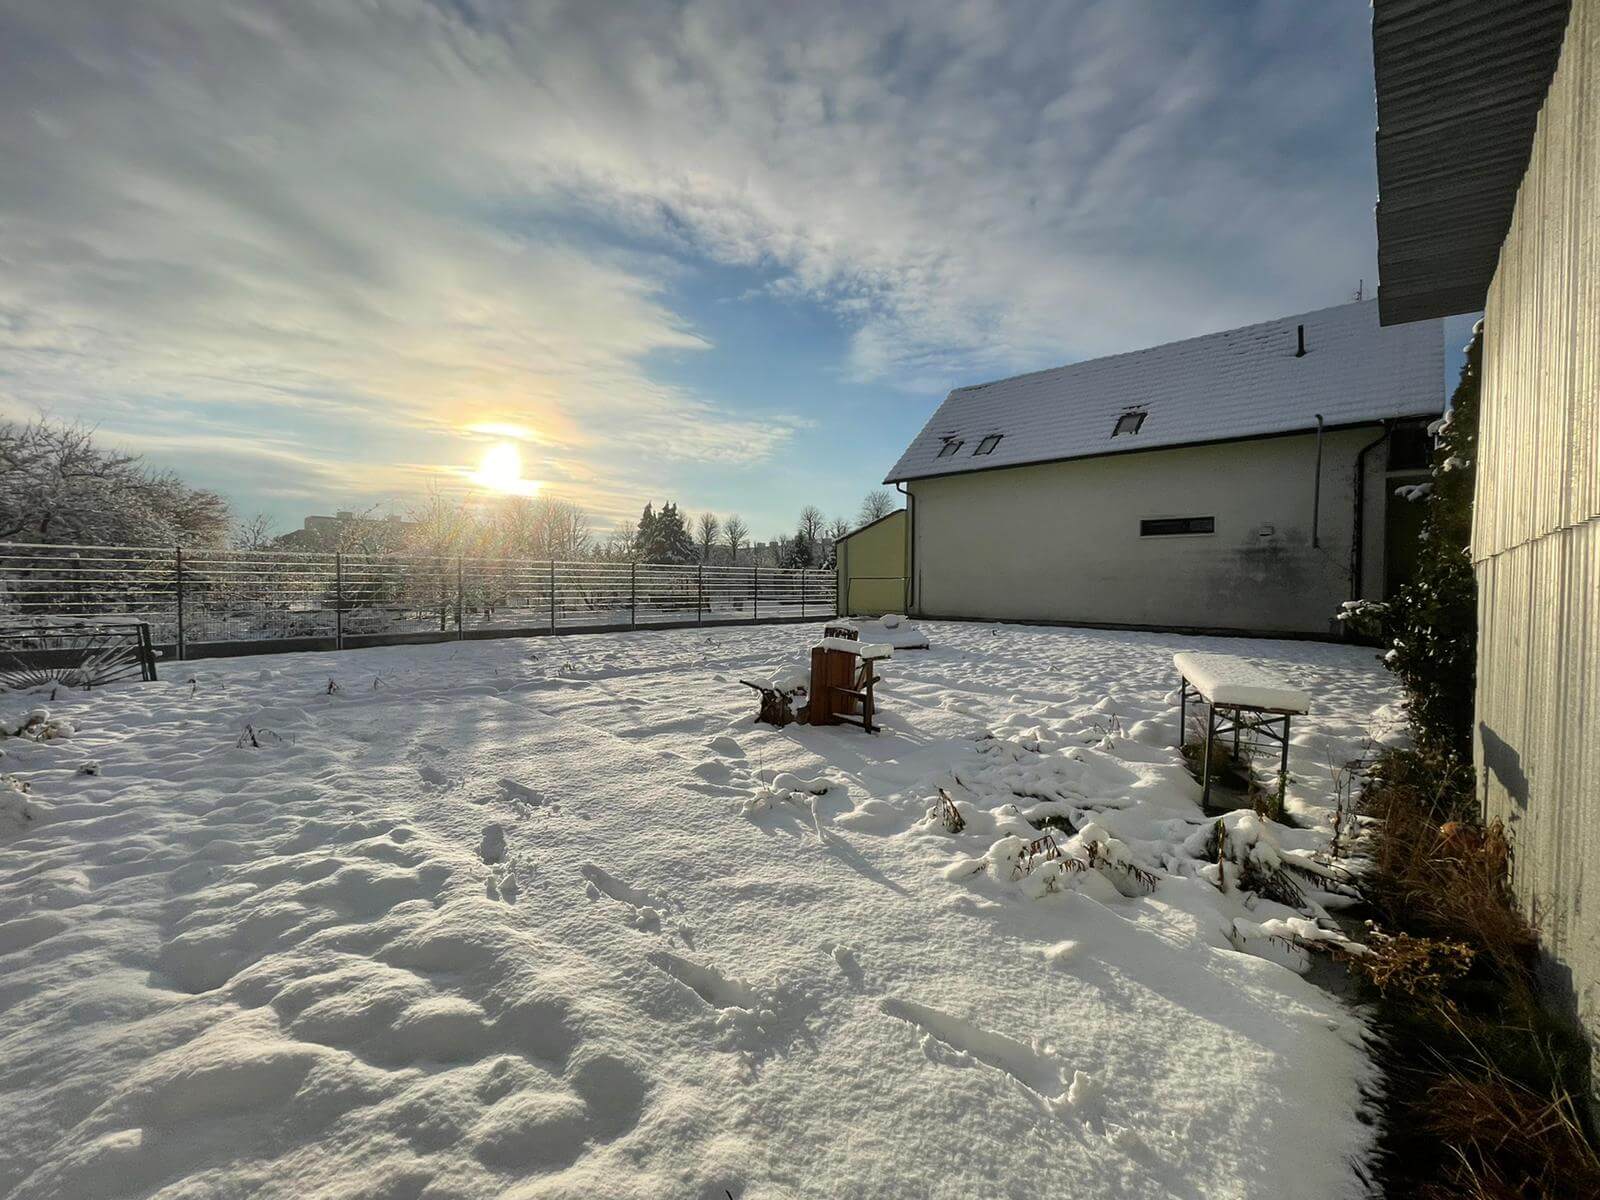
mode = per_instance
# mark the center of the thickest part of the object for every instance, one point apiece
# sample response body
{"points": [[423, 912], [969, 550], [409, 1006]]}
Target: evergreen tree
{"points": [[1431, 625], [647, 542], [800, 552], [677, 544]]}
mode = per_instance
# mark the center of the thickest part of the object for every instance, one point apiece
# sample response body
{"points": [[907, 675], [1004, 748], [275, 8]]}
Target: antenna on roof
{"points": [[1360, 292], [1301, 352]]}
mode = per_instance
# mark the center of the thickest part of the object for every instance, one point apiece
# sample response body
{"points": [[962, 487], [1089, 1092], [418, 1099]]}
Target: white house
{"points": [[1243, 481]]}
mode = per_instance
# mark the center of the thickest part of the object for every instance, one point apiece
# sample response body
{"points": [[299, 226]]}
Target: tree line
{"points": [[58, 486]]}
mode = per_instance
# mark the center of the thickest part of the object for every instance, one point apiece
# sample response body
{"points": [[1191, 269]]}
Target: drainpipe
{"points": [[1361, 509], [1316, 490], [911, 546]]}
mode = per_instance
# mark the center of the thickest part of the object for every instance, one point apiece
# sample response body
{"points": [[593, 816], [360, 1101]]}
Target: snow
{"points": [[1232, 679], [1238, 383], [892, 630], [860, 648], [506, 918]]}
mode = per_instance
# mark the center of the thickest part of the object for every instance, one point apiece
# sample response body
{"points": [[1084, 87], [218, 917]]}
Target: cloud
{"points": [[380, 228]]}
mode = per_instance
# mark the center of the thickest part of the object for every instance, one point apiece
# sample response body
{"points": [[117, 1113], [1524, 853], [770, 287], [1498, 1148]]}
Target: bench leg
{"points": [[1205, 768], [1283, 772]]}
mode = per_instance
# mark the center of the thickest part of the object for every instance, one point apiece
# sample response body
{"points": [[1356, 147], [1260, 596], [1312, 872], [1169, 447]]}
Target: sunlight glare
{"points": [[500, 470]]}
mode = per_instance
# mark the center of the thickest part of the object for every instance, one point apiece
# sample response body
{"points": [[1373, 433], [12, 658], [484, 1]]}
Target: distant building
{"points": [[871, 565], [347, 531], [1238, 482]]}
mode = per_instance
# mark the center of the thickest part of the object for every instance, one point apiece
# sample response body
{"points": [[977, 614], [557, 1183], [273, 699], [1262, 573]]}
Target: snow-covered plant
{"points": [[1244, 854], [949, 815], [40, 726], [1429, 628]]}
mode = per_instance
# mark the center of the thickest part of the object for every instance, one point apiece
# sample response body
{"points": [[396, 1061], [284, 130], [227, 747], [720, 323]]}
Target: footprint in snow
{"points": [[492, 846], [643, 910]]}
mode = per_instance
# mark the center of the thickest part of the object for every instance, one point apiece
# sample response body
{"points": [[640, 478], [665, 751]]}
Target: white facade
{"points": [[1179, 486], [1068, 541]]}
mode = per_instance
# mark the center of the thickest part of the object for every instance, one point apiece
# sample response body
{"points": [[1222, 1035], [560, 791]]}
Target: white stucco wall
{"points": [[1061, 541]]}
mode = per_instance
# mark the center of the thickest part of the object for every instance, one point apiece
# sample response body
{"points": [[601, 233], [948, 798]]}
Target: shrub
{"points": [[1430, 625]]}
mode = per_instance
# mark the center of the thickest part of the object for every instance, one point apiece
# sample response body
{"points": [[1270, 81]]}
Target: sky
{"points": [[327, 254]]}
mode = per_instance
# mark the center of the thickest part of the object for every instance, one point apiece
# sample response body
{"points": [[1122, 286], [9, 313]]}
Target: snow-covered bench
{"points": [[1238, 695]]}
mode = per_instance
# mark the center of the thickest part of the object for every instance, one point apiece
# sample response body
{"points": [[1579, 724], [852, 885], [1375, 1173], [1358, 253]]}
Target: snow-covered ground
{"points": [[545, 918]]}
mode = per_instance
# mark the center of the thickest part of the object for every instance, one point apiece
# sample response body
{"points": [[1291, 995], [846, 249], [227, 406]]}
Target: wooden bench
{"points": [[1238, 695]]}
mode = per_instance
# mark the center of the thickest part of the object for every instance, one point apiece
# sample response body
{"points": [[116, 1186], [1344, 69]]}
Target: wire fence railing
{"points": [[201, 602]]}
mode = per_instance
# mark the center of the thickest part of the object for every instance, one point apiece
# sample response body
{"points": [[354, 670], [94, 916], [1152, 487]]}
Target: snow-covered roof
{"points": [[1240, 383]]}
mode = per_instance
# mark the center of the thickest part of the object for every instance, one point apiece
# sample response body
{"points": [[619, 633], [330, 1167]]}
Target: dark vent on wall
{"points": [[1176, 526]]}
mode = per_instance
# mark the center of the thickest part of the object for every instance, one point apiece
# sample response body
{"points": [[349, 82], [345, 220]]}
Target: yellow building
{"points": [[871, 562]]}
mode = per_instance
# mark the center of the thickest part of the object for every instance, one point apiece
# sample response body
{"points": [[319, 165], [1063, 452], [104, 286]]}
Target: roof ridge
{"points": [[1199, 337]]}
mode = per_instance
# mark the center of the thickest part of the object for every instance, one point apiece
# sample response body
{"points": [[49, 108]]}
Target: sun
{"points": [[500, 470]]}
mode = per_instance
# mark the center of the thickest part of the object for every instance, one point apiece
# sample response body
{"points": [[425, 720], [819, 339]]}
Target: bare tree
{"points": [[877, 504], [735, 534], [706, 530], [543, 527], [620, 543], [58, 486], [837, 529], [253, 533], [811, 523]]}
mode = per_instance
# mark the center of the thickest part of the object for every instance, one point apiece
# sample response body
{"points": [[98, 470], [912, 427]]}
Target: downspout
{"points": [[1316, 490], [1361, 510], [911, 546]]}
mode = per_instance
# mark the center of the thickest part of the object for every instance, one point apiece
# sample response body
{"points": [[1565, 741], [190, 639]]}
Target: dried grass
{"points": [[1478, 1100]]}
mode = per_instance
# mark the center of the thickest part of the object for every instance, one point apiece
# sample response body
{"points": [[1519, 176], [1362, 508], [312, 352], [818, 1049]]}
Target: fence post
{"points": [[338, 599], [700, 594], [633, 595], [552, 595], [178, 559], [755, 594], [461, 593]]}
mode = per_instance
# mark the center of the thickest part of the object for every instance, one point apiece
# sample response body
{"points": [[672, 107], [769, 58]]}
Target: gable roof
{"points": [[1240, 383]]}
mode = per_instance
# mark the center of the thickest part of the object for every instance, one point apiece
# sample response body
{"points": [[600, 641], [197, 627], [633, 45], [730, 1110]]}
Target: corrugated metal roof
{"points": [[1240, 383], [1459, 84]]}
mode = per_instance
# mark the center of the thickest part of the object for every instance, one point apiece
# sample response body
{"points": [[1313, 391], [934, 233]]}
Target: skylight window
{"points": [[1128, 422], [988, 444], [951, 445]]}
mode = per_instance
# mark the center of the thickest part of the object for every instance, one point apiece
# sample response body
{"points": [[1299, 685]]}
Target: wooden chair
{"points": [[843, 673]]}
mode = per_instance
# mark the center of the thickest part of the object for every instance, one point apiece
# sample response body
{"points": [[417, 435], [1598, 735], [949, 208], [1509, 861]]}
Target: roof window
{"points": [[951, 445], [1128, 422], [988, 444]]}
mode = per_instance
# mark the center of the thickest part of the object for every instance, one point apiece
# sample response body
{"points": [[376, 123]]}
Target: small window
{"points": [[988, 444], [951, 445], [1169, 526], [1128, 422]]}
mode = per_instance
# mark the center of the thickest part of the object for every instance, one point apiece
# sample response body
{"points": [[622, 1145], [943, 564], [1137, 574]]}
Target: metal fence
{"points": [[202, 603]]}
